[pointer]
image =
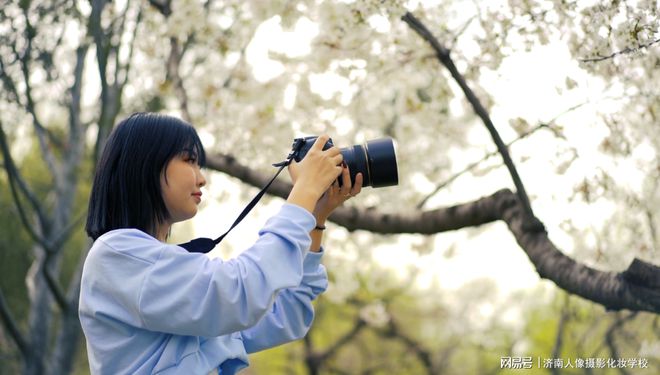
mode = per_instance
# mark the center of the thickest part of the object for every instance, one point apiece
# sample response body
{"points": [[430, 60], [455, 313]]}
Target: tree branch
{"points": [[352, 218], [75, 124], [163, 6], [561, 327], [67, 337], [632, 289], [345, 339], [8, 82], [315, 360], [110, 94], [72, 157], [548, 125], [55, 288], [424, 356], [623, 51], [443, 54], [65, 232], [43, 134], [475, 164], [173, 75], [650, 220], [13, 329], [644, 274], [100, 40], [610, 339], [15, 178]]}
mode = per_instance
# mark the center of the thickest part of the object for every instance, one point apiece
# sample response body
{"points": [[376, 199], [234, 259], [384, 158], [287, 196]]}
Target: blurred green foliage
{"points": [[15, 257]]}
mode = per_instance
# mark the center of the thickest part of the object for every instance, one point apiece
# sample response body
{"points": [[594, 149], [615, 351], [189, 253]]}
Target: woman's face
{"points": [[181, 186]]}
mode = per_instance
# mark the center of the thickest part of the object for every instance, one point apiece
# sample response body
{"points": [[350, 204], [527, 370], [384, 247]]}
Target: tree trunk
{"points": [[39, 316]]}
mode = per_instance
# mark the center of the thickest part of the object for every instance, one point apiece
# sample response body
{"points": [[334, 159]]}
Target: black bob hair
{"points": [[126, 192]]}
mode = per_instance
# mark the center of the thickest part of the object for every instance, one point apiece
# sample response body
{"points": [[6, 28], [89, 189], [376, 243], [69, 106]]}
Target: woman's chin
{"points": [[183, 216]]}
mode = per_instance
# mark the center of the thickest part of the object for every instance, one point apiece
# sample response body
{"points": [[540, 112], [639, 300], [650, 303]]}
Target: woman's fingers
{"points": [[346, 181], [357, 187], [333, 151], [337, 159], [293, 170], [320, 142], [321, 167]]}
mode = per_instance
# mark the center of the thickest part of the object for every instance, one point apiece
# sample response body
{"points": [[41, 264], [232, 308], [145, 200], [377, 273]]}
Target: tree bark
{"points": [[69, 333]]}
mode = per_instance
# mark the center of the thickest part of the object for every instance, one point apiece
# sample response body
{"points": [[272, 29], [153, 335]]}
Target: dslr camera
{"points": [[375, 159]]}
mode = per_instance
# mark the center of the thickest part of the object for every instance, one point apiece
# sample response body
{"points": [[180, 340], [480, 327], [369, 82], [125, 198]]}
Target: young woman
{"points": [[148, 307]]}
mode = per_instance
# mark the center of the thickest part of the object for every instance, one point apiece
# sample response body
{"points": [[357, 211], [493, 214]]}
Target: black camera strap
{"points": [[204, 245]]}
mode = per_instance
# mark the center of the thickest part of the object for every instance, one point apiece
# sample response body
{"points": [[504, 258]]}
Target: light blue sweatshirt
{"points": [[152, 308]]}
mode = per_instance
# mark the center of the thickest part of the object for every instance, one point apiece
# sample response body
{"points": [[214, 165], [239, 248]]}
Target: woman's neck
{"points": [[163, 232]]}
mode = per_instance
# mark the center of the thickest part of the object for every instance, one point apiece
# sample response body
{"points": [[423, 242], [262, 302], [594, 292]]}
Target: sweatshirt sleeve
{"points": [[292, 313], [190, 294]]}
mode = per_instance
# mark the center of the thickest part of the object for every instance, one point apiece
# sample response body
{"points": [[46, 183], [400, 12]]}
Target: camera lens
{"points": [[356, 159], [381, 157], [376, 160]]}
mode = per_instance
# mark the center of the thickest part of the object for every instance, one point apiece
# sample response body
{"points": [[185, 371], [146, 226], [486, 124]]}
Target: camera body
{"points": [[376, 159]]}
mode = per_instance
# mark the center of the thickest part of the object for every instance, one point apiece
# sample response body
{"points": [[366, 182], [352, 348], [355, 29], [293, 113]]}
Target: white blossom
{"points": [[375, 314]]}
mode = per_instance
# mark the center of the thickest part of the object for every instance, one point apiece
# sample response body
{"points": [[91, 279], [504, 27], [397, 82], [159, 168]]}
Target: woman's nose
{"points": [[201, 180]]}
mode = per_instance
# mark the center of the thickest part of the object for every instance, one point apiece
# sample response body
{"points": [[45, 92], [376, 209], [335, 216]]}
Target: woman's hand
{"points": [[335, 195], [314, 174]]}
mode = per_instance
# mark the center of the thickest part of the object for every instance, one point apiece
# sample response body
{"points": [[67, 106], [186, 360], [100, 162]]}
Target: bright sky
{"points": [[524, 86]]}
